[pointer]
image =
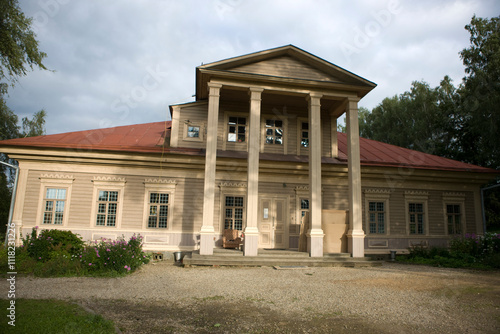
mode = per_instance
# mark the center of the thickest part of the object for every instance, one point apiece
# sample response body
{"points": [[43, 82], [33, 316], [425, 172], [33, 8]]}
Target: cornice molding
{"points": [[160, 181], [57, 176], [233, 184], [378, 191], [108, 179], [420, 193]]}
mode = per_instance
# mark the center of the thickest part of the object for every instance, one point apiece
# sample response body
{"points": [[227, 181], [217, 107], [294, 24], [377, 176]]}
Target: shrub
{"points": [[117, 256], [48, 241]]}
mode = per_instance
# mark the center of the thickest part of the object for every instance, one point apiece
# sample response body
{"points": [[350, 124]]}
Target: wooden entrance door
{"points": [[272, 222]]}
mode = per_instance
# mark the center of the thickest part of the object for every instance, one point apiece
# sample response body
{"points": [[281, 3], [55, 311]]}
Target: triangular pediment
{"points": [[288, 64], [285, 67]]}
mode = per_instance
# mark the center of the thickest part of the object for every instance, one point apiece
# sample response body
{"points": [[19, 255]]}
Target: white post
{"points": [[207, 233], [355, 235], [251, 231], [315, 234]]}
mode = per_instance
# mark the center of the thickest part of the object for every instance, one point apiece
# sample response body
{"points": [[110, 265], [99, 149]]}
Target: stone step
{"points": [[271, 259]]}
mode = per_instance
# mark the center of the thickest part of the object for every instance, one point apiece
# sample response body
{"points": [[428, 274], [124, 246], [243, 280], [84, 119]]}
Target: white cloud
{"points": [[103, 52]]}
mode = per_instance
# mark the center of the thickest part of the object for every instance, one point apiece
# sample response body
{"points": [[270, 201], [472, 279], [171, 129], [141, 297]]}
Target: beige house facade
{"points": [[257, 151]]}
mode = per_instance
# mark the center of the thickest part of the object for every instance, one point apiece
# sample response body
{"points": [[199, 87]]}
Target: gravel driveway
{"points": [[394, 298]]}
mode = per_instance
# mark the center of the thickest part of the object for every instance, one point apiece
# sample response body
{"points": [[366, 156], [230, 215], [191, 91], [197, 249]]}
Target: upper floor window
{"points": [[274, 132], [236, 132], [54, 203], [193, 131], [304, 134]]}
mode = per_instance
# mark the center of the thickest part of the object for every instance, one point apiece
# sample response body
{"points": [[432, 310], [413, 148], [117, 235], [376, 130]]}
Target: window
{"points": [[54, 203], [454, 220], [107, 208], [234, 207], [416, 216], [274, 132], [158, 210], [304, 207], [236, 132], [193, 131], [304, 134], [376, 217]]}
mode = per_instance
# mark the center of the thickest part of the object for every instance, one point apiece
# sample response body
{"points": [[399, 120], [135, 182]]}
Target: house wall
{"points": [[196, 115], [185, 183]]}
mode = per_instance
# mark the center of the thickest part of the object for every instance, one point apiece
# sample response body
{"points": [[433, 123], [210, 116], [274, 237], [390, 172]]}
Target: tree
{"points": [[18, 45], [18, 53], [480, 95], [416, 119]]}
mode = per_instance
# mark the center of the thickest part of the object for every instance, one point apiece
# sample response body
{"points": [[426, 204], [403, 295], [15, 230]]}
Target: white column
{"points": [[207, 233], [315, 234], [355, 235], [251, 231]]}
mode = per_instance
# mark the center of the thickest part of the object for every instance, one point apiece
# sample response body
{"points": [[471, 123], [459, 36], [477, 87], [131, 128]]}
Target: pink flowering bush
{"points": [[114, 256]]}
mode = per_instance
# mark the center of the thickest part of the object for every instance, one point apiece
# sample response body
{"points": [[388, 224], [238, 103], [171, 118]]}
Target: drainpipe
{"points": [[482, 203], [12, 202]]}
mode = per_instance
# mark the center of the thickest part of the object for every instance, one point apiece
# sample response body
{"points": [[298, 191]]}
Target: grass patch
{"points": [[53, 316]]}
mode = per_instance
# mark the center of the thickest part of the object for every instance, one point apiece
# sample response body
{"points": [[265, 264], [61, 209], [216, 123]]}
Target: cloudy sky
{"points": [[120, 62]]}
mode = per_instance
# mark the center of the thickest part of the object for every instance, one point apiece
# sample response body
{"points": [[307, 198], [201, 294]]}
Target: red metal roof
{"points": [[149, 138]]}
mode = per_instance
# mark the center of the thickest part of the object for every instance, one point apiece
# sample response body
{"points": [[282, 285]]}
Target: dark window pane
{"points": [[278, 124]]}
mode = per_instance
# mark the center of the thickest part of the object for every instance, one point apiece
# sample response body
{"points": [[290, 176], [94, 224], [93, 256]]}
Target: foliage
{"points": [[18, 45], [53, 316], [418, 119], [50, 243], [117, 256], [55, 253], [469, 251], [479, 109]]}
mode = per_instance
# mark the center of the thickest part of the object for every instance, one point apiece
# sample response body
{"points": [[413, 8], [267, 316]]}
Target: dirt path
{"points": [[162, 298]]}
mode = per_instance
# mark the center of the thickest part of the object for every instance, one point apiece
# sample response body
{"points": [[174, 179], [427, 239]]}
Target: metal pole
{"points": [[12, 202]]}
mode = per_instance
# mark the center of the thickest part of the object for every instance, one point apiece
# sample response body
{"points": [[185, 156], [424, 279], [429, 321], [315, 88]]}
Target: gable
{"points": [[285, 67], [287, 64]]}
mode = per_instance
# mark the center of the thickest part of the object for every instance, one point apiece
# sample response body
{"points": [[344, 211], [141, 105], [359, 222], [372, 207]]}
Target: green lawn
{"points": [[51, 316]]}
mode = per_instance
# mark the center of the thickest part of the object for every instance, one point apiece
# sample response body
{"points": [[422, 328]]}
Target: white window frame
{"points": [[378, 195], [107, 184], [417, 197], [188, 124], [56, 181], [454, 199], [301, 120], [162, 186], [236, 144], [263, 120], [232, 189]]}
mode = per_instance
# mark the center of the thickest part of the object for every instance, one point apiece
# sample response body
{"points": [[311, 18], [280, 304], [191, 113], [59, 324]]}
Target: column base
{"points": [[315, 242], [207, 241], [356, 243], [251, 241]]}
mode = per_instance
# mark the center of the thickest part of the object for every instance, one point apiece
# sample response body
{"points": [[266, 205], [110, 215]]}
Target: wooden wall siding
{"points": [[403, 244], [326, 135], [335, 198], [81, 200], [470, 214], [188, 210], [285, 66], [196, 115], [31, 201]]}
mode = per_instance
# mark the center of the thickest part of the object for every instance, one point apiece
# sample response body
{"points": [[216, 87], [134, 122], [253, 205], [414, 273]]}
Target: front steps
{"points": [[272, 258]]}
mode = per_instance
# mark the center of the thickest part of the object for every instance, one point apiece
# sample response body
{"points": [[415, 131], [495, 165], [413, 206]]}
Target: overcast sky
{"points": [[125, 61]]}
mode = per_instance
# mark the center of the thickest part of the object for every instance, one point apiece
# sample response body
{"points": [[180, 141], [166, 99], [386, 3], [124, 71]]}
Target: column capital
{"points": [[255, 89], [313, 96], [214, 85]]}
